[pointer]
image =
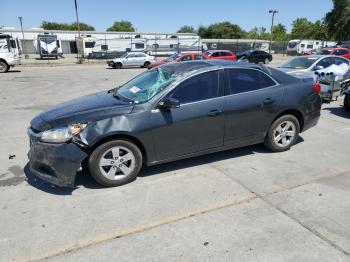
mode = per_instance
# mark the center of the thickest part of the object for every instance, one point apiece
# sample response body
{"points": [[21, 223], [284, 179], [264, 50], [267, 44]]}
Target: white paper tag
{"points": [[134, 89]]}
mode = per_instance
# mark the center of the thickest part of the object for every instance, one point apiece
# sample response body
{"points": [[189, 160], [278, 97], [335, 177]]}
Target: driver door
{"points": [[197, 125]]}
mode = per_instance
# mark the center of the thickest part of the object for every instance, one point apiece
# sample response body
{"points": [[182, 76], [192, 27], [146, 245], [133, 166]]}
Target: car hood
{"points": [[81, 110]]}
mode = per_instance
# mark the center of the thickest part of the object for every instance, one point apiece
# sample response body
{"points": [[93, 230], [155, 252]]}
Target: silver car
{"points": [[131, 59], [302, 65]]}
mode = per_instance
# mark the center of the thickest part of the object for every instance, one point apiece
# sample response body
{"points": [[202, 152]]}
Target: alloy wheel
{"points": [[117, 163], [284, 134]]}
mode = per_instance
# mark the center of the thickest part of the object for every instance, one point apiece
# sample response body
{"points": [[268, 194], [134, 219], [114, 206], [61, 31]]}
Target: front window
{"points": [[89, 44], [292, 44], [197, 88], [299, 62], [145, 86], [172, 58]]}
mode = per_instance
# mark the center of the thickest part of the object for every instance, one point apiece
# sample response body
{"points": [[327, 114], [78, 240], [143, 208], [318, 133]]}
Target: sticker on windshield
{"points": [[134, 89]]}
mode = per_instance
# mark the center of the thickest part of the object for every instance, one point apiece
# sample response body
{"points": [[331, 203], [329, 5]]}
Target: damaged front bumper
{"points": [[54, 163]]}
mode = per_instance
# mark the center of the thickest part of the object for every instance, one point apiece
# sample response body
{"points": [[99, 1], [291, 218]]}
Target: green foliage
{"points": [[279, 33], [257, 33], [65, 26], [121, 26], [224, 30], [186, 29], [338, 20], [305, 29]]}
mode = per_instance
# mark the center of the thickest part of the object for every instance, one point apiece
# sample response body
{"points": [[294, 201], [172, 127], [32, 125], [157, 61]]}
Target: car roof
{"points": [[192, 67], [219, 51]]}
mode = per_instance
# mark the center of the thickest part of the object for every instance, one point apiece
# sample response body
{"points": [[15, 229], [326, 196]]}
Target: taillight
{"points": [[317, 87]]}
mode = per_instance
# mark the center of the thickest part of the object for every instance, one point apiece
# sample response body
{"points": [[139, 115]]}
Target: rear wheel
{"points": [[146, 64], [4, 67], [347, 101], [282, 134], [115, 163]]}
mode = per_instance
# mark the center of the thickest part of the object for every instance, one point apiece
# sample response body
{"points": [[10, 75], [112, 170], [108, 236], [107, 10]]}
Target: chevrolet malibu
{"points": [[171, 112]]}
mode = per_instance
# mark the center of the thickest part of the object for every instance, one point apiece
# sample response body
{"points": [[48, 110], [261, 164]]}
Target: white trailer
{"points": [[47, 46], [300, 47]]}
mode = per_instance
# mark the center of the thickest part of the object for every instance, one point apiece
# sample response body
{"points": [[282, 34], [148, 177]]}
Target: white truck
{"points": [[9, 54]]}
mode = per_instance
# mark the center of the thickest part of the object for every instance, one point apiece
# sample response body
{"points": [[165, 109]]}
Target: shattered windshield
{"points": [[147, 85]]}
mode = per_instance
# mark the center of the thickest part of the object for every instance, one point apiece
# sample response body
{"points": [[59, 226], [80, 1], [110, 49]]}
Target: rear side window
{"points": [[341, 52], [245, 80], [200, 87], [338, 61], [225, 54]]}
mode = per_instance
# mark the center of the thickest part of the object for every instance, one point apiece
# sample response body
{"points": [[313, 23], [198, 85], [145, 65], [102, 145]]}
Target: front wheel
{"points": [[115, 163], [4, 67], [282, 134], [347, 101]]}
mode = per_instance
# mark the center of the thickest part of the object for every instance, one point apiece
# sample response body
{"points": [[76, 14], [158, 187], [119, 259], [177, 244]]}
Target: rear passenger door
{"points": [[139, 59], [252, 103], [225, 55]]}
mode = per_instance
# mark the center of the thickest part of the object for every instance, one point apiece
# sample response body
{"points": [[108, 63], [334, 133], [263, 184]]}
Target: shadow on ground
{"points": [[84, 179], [338, 111]]}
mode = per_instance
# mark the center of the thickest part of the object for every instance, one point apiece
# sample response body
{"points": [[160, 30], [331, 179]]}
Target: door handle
{"points": [[214, 112], [268, 101]]}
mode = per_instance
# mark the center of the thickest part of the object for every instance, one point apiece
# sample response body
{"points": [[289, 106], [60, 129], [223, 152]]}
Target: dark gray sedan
{"points": [[171, 112]]}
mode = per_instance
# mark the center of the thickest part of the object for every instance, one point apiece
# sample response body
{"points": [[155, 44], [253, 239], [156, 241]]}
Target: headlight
{"points": [[62, 134]]}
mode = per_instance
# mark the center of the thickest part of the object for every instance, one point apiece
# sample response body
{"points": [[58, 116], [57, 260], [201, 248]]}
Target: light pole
{"points": [[80, 60], [273, 12], [20, 21]]}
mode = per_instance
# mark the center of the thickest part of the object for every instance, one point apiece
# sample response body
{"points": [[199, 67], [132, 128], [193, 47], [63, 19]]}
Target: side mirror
{"points": [[169, 103], [318, 67]]}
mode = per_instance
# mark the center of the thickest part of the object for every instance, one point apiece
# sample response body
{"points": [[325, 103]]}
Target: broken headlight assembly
{"points": [[61, 134]]}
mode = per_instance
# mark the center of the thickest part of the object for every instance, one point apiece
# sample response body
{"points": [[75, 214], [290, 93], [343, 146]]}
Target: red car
{"points": [[178, 58], [339, 51], [220, 54]]}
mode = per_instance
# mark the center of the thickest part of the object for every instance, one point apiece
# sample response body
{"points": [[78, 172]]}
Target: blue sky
{"points": [[161, 15]]}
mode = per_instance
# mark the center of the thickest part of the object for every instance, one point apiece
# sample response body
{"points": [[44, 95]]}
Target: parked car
{"points": [[309, 64], [178, 58], [220, 54], [255, 56], [339, 51], [174, 111], [131, 59]]}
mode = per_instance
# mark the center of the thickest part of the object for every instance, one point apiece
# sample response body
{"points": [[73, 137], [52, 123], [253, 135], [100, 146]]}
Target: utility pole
{"points": [[273, 12], [20, 21], [79, 58]]}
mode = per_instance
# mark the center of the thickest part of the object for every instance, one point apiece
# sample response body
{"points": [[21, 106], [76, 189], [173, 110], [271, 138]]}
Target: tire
{"points": [[4, 67], [146, 64], [267, 61], [347, 102], [278, 138], [114, 66], [118, 65], [105, 167]]}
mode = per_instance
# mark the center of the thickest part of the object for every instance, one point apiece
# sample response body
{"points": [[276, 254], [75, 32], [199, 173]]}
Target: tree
{"points": [[338, 20], [65, 26], [279, 33], [121, 26], [223, 30], [186, 29], [319, 31], [301, 28]]}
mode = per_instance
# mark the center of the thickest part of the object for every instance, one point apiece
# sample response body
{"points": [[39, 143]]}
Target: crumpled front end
{"points": [[54, 163]]}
